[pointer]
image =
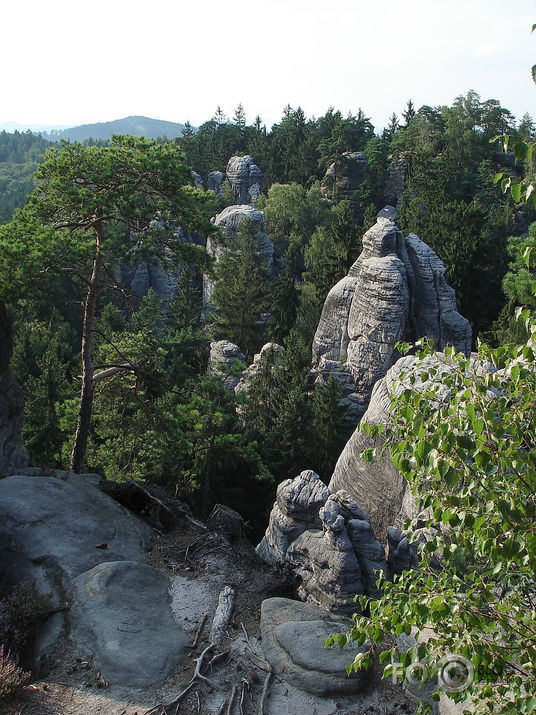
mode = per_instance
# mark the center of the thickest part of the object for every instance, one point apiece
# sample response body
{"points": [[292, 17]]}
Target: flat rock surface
{"points": [[122, 614], [71, 522], [293, 635]]}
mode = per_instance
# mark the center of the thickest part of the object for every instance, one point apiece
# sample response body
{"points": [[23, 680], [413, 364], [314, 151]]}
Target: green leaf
{"points": [[515, 190]]}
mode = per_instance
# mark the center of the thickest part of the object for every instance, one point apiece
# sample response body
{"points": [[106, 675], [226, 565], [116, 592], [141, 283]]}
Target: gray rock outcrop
{"points": [[296, 509], [271, 354], [380, 489], [246, 179], [86, 553], [293, 636], [12, 451], [344, 175], [215, 181], [223, 361], [134, 640], [326, 539], [396, 289], [341, 560]]}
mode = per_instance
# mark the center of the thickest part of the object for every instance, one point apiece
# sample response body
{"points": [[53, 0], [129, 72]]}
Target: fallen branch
{"points": [[223, 614], [198, 665], [196, 676], [258, 661], [264, 693], [245, 633], [231, 700], [199, 630]]}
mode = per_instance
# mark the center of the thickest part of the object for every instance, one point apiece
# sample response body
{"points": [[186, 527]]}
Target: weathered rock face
{"points": [[135, 641], [296, 509], [344, 176], [341, 560], [326, 539], [380, 489], [245, 178], [396, 289], [197, 180], [12, 452], [223, 360], [82, 548], [293, 636], [215, 181], [229, 221], [139, 277]]}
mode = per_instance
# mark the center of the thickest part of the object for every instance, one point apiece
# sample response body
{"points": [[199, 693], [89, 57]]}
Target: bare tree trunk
{"points": [[88, 384]]}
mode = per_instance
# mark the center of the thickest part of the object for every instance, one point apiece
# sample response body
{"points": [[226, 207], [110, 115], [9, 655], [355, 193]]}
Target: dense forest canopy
{"points": [[437, 164]]}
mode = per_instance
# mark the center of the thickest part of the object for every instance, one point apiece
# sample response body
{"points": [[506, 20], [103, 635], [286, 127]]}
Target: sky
{"points": [[67, 62]]}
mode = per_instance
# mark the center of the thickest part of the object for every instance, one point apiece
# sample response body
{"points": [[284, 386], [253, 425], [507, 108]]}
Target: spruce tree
{"points": [[240, 294]]}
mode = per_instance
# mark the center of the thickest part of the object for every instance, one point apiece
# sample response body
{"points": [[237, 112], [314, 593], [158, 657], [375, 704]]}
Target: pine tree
{"points": [[241, 290]]}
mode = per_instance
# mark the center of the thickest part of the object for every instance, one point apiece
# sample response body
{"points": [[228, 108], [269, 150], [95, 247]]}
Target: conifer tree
{"points": [[241, 291]]}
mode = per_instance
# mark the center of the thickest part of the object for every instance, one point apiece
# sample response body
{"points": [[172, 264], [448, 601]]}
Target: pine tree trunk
{"points": [[88, 385]]}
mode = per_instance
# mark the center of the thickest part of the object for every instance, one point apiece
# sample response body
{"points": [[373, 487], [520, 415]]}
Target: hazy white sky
{"points": [[69, 62]]}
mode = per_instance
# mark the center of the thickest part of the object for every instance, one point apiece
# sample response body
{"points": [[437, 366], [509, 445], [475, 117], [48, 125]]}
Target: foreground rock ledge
{"points": [[293, 635], [121, 612]]}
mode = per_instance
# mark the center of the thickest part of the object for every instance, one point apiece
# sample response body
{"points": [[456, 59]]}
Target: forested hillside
{"points": [[235, 317], [322, 182], [20, 155]]}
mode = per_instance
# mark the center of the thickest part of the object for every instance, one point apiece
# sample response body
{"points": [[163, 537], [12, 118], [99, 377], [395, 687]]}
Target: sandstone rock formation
{"points": [[397, 289], [341, 560], [326, 539], [245, 178], [296, 508], [344, 175], [139, 276], [197, 180], [134, 641], [223, 361], [12, 452], [215, 181], [78, 545], [380, 489], [293, 636], [229, 221]]}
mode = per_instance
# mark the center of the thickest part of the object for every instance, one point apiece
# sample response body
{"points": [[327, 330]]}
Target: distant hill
{"points": [[138, 126]]}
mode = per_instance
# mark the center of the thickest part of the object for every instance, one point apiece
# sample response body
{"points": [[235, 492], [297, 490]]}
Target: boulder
{"points": [[224, 359], [293, 636], [121, 613], [296, 509], [246, 179], [69, 523]]}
